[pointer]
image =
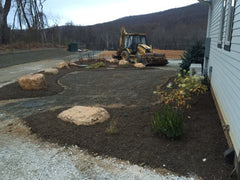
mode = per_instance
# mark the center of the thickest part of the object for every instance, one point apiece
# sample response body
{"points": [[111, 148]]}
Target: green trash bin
{"points": [[72, 47]]}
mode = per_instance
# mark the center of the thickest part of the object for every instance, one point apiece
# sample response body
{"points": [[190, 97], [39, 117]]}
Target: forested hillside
{"points": [[171, 29]]}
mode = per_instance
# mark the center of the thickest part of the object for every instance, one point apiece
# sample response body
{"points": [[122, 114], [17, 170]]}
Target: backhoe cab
{"points": [[133, 47]]}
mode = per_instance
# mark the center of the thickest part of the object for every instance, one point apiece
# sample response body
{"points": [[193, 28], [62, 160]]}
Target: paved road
{"points": [[14, 65], [21, 57]]}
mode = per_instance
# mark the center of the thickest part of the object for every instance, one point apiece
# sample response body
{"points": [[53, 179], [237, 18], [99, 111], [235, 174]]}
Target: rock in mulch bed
{"points": [[32, 82], [14, 91], [52, 71], [82, 115]]}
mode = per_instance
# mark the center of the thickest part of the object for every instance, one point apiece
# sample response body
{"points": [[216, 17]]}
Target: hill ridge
{"points": [[170, 29]]}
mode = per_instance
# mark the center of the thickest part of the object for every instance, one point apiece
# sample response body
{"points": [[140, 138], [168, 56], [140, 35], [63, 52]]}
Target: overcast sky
{"points": [[89, 12]]}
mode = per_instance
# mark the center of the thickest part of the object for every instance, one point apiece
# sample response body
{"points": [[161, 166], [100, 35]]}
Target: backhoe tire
{"points": [[125, 56], [144, 61], [137, 58]]}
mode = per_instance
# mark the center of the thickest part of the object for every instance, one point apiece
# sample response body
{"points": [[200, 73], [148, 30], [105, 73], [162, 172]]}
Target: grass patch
{"points": [[169, 122], [96, 65]]}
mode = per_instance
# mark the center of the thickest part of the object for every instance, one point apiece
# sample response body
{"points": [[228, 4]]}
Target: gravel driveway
{"points": [[30, 158]]}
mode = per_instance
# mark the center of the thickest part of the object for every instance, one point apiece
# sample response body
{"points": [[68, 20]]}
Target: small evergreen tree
{"points": [[194, 54]]}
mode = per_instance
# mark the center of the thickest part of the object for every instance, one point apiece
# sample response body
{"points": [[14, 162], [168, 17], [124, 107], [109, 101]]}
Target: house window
{"points": [[220, 37], [228, 36]]}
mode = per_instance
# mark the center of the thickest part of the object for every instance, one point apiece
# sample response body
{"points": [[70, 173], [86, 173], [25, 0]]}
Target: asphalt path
{"points": [[15, 65], [29, 56]]}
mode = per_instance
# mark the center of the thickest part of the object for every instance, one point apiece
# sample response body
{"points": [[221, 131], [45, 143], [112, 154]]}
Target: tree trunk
{"points": [[4, 30]]}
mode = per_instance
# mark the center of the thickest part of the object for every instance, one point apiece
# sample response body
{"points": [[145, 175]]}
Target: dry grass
{"points": [[105, 54], [24, 46], [170, 54]]}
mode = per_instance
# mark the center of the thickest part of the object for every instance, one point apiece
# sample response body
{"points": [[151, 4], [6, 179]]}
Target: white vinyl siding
{"points": [[225, 77]]}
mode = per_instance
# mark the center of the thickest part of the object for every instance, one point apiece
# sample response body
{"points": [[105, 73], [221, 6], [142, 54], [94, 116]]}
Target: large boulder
{"points": [[139, 65], [84, 115], [63, 65], [123, 62], [51, 71], [32, 82], [112, 60]]}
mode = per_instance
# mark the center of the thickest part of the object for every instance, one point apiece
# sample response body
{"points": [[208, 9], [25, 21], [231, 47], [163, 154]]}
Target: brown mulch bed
{"points": [[135, 140], [14, 91]]}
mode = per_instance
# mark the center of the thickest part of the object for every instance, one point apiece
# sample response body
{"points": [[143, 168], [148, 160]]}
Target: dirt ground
{"points": [[170, 54], [131, 91]]}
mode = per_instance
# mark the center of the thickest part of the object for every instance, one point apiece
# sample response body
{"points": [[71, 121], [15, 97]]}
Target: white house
{"points": [[222, 66]]}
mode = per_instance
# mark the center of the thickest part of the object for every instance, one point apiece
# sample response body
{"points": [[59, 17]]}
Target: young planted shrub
{"points": [[184, 88], [194, 54], [169, 122], [112, 129]]}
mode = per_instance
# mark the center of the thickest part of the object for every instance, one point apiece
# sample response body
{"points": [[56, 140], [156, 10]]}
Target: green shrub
{"points": [[112, 129], [181, 90], [169, 122], [125, 65], [194, 54], [96, 65]]}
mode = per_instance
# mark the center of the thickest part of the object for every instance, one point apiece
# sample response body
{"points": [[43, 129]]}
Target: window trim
{"points": [[230, 21], [222, 22]]}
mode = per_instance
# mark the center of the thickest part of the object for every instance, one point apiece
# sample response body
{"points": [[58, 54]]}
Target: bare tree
{"points": [[4, 30], [30, 14]]}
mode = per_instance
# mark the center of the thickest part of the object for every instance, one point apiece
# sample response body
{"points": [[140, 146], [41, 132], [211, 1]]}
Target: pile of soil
{"points": [[136, 141]]}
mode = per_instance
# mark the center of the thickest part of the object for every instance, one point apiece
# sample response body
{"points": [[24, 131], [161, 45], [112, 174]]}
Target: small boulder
{"points": [[51, 71], [32, 82], [123, 62], [84, 115], [139, 65], [112, 60], [63, 65], [73, 64]]}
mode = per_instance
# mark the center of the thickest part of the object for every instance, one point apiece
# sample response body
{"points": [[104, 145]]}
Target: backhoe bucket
{"points": [[154, 59]]}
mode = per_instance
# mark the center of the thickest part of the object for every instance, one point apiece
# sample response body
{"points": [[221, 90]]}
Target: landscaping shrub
{"points": [[184, 87], [194, 54], [112, 129], [96, 65], [169, 122]]}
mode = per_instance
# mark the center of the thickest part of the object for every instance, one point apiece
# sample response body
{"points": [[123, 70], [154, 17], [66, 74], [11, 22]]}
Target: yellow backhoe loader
{"points": [[133, 48]]}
